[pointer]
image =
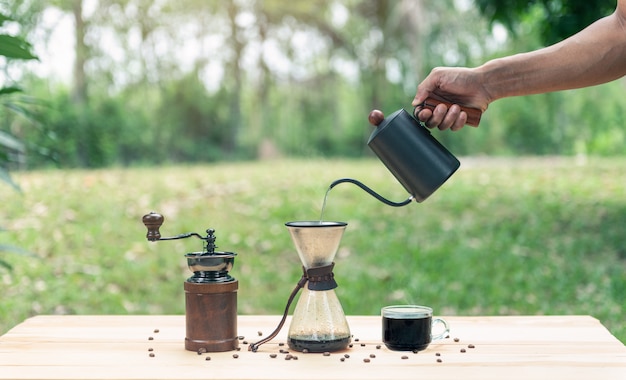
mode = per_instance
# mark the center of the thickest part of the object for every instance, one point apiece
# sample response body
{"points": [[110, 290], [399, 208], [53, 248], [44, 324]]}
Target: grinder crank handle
{"points": [[473, 114]]}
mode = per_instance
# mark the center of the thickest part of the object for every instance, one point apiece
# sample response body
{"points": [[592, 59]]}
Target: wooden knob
{"points": [[153, 222], [376, 117]]}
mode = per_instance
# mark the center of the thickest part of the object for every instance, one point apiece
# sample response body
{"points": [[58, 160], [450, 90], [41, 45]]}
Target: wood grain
{"points": [[117, 347]]}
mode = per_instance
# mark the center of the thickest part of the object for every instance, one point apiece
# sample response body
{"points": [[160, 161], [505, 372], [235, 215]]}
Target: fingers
{"points": [[443, 117]]}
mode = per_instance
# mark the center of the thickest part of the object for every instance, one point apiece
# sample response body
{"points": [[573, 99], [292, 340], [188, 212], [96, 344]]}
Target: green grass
{"points": [[502, 237]]}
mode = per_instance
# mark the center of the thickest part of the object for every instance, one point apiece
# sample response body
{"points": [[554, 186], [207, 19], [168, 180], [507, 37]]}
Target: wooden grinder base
{"points": [[211, 316]]}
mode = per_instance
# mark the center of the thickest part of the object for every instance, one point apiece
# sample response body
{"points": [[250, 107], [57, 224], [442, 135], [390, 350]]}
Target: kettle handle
{"points": [[473, 114]]}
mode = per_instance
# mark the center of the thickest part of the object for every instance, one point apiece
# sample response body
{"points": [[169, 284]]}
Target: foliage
{"points": [[502, 237], [558, 19], [11, 149]]}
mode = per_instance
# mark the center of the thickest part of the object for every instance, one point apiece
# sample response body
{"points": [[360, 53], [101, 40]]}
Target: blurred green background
{"points": [[237, 114]]}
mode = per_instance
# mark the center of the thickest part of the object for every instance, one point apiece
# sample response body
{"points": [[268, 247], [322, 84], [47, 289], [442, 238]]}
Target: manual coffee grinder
{"points": [[210, 294], [318, 323]]}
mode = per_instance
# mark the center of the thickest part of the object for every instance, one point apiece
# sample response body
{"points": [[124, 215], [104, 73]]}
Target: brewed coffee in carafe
{"points": [[318, 323]]}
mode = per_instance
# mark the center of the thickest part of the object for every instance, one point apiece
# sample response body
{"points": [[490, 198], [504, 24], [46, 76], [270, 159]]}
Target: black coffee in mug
{"points": [[409, 327]]}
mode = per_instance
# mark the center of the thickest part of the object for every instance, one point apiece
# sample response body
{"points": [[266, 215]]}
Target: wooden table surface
{"points": [[118, 347]]}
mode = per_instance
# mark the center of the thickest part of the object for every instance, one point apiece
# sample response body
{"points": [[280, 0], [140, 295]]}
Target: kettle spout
{"points": [[371, 192]]}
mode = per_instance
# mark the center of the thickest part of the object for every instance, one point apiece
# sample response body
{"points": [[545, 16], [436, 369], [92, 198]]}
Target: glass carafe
{"points": [[318, 323]]}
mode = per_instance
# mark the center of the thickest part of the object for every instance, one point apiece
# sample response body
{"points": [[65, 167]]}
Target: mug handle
{"points": [[445, 331]]}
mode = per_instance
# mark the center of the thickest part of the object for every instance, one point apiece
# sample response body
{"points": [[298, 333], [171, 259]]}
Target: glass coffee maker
{"points": [[318, 323]]}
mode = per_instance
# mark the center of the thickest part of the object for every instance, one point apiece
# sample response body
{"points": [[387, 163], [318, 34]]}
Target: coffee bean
{"points": [[273, 356], [152, 354], [259, 333], [288, 357], [456, 339], [235, 356], [471, 346], [281, 344], [326, 353], [415, 351], [207, 358], [366, 360], [150, 338], [404, 357], [362, 344], [351, 345], [150, 349], [156, 331], [238, 348], [294, 357], [439, 361], [462, 349], [356, 340], [342, 359], [437, 354], [372, 356], [240, 337], [378, 346], [346, 356], [245, 342]]}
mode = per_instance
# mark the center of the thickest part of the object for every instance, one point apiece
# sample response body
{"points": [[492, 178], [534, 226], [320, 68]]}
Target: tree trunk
{"points": [[79, 90]]}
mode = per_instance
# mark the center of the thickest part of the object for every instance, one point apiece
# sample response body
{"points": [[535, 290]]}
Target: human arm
{"points": [[595, 55]]}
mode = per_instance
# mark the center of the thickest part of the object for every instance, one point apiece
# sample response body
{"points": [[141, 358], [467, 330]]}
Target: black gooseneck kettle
{"points": [[411, 153]]}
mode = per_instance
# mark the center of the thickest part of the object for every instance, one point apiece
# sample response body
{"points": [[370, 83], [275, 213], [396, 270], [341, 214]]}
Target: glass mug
{"points": [[409, 327]]}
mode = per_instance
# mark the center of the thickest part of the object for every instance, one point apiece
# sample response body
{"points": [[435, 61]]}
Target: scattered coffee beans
{"points": [[462, 349], [152, 354], [259, 333], [366, 360], [471, 346], [150, 338], [378, 346], [439, 361], [342, 359], [456, 339], [150, 349], [346, 356], [326, 353], [437, 354], [273, 356], [404, 357], [372, 356], [235, 356], [207, 358], [156, 331]]}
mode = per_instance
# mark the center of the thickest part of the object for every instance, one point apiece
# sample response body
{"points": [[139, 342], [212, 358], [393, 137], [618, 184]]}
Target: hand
{"points": [[455, 85]]}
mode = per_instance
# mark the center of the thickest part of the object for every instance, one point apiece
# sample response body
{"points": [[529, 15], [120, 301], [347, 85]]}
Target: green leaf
{"points": [[8, 141], [9, 90], [15, 47]]}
